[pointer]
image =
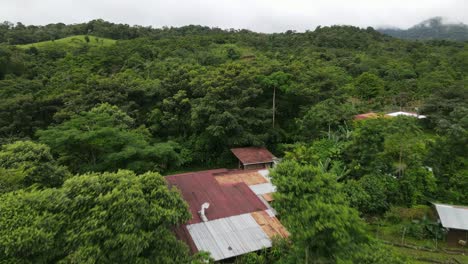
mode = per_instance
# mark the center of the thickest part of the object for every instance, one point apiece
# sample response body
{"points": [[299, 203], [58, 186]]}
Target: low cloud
{"points": [[256, 15]]}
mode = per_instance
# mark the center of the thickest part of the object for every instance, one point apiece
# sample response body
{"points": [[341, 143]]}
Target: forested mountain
{"points": [[83, 120], [433, 28], [22, 34]]}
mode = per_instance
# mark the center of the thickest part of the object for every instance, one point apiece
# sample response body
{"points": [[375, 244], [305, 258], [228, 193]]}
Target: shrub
{"points": [[418, 212]]}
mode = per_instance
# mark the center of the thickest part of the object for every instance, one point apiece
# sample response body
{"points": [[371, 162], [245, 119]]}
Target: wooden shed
{"points": [[455, 219], [254, 157]]}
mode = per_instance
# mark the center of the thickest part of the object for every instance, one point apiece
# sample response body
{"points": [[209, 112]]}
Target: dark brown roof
{"points": [[225, 199], [253, 155]]}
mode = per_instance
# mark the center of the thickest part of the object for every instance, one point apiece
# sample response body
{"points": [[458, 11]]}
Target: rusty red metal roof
{"points": [[225, 199], [239, 221], [365, 116], [253, 155]]}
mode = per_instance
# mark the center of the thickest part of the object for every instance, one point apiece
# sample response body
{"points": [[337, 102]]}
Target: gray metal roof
{"points": [[271, 211], [453, 216], [400, 113], [263, 188], [265, 173], [229, 237]]}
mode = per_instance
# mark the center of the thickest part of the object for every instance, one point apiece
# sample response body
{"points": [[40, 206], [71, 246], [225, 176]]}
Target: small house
{"points": [[455, 219], [254, 157], [371, 115], [366, 116], [230, 209], [401, 113]]}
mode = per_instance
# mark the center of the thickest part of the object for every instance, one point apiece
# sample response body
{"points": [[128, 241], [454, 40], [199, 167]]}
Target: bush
{"points": [[418, 212], [416, 230], [372, 194], [425, 228], [251, 258]]}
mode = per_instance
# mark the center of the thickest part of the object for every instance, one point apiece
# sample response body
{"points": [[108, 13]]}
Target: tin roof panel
{"points": [[253, 155], [453, 216], [229, 237]]}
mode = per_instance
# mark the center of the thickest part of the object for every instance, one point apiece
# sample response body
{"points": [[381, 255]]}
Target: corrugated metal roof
{"points": [[401, 113], [453, 216], [233, 206], [270, 224], [270, 209], [253, 155], [263, 188], [366, 116], [265, 173], [225, 199], [246, 176], [229, 237]]}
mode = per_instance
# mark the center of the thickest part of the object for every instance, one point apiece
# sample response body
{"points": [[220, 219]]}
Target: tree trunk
{"points": [[400, 158], [274, 100]]}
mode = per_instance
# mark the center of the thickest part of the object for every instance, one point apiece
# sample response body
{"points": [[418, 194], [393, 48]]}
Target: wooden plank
{"points": [[249, 178], [268, 197], [270, 225]]}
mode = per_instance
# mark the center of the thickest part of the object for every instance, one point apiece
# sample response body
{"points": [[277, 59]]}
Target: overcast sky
{"points": [[257, 15]]}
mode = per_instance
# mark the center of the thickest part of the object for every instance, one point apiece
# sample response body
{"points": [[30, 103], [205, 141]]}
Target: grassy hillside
{"points": [[73, 41]]}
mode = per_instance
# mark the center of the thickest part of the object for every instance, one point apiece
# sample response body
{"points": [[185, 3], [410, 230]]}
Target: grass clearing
{"points": [[417, 250], [72, 42], [421, 256]]}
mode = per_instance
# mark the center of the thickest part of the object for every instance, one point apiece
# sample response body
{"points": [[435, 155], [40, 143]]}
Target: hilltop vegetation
{"points": [[431, 29], [19, 33], [71, 42], [82, 124]]}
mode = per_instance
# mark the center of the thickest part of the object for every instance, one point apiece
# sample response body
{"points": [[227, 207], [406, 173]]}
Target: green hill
{"points": [[118, 116], [433, 28], [73, 41]]}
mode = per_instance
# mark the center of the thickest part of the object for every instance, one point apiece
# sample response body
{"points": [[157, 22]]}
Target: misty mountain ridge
{"points": [[433, 28]]}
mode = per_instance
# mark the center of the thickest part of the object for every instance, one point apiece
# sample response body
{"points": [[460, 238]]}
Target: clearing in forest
{"points": [[73, 41]]}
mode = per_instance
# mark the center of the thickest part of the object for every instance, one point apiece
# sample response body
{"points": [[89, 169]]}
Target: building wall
{"points": [[258, 166], [455, 235]]}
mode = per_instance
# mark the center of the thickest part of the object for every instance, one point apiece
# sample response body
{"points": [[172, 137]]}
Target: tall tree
{"points": [[368, 86], [313, 207], [25, 163], [104, 139], [95, 218], [447, 112], [276, 80], [326, 115]]}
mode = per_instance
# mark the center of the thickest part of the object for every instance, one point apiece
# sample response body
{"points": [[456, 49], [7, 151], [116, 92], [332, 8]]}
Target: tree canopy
{"points": [[94, 218], [323, 225], [25, 163], [91, 113], [104, 139]]}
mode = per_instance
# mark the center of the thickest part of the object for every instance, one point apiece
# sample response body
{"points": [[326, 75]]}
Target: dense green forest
{"points": [[433, 28], [88, 125]]}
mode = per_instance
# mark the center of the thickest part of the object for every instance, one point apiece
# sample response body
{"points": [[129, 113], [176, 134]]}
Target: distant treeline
{"points": [[25, 34], [433, 28]]}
